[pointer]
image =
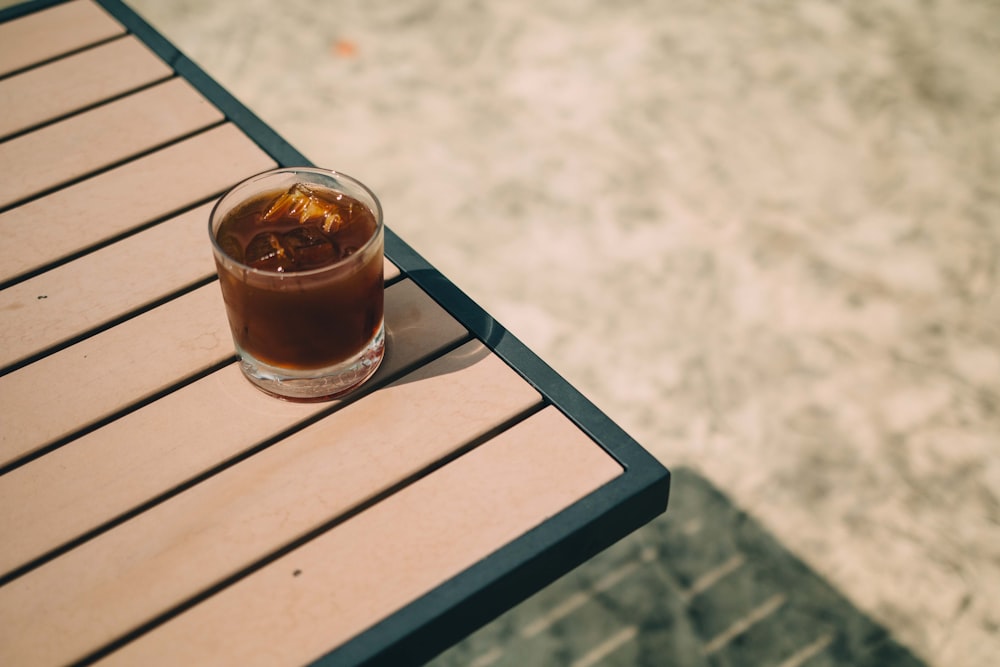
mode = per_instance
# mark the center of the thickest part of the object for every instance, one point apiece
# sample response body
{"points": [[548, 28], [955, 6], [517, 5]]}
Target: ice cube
{"points": [[309, 246], [301, 203], [231, 246], [265, 251]]}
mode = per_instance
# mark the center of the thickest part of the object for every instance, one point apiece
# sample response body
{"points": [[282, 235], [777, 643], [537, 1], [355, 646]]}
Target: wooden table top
{"points": [[155, 508]]}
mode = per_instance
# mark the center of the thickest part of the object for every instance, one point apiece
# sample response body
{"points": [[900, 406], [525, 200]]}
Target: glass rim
{"points": [[336, 175]]}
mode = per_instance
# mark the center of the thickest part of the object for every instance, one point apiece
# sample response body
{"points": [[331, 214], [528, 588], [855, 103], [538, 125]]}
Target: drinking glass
{"points": [[303, 334]]}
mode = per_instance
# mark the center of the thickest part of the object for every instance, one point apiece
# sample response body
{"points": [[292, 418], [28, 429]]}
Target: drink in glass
{"points": [[299, 254]]}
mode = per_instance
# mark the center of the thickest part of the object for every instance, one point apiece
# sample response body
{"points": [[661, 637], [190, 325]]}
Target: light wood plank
{"points": [[105, 473], [52, 32], [72, 83], [125, 197], [88, 596], [81, 384], [389, 270], [97, 138], [103, 285], [322, 594], [63, 303]]}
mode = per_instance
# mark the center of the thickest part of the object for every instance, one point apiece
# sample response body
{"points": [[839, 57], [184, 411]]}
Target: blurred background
{"points": [[764, 237]]}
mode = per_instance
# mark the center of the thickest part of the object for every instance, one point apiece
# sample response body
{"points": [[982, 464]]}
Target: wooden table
{"points": [[155, 508]]}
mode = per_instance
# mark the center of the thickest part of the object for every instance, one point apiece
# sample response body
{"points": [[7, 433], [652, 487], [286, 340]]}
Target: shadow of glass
{"points": [[487, 334], [461, 358]]}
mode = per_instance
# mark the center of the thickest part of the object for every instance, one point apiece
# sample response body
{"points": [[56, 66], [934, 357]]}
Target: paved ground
{"points": [[703, 586]]}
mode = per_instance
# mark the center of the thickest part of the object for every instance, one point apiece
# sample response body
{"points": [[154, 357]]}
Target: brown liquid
{"points": [[294, 313]]}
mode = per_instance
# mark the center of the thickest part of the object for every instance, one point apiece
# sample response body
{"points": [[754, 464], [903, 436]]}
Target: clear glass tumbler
{"points": [[299, 252]]}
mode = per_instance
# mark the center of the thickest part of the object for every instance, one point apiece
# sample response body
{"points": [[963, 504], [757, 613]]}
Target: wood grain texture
{"points": [[335, 586], [125, 197], [53, 32], [72, 83], [86, 293], [81, 384], [88, 596], [146, 453], [100, 137]]}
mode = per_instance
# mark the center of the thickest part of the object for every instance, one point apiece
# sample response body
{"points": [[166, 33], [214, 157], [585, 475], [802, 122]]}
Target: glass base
{"points": [[320, 384]]}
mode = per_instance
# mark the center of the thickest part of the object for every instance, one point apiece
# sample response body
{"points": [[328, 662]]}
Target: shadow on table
{"points": [[703, 584], [464, 356]]}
